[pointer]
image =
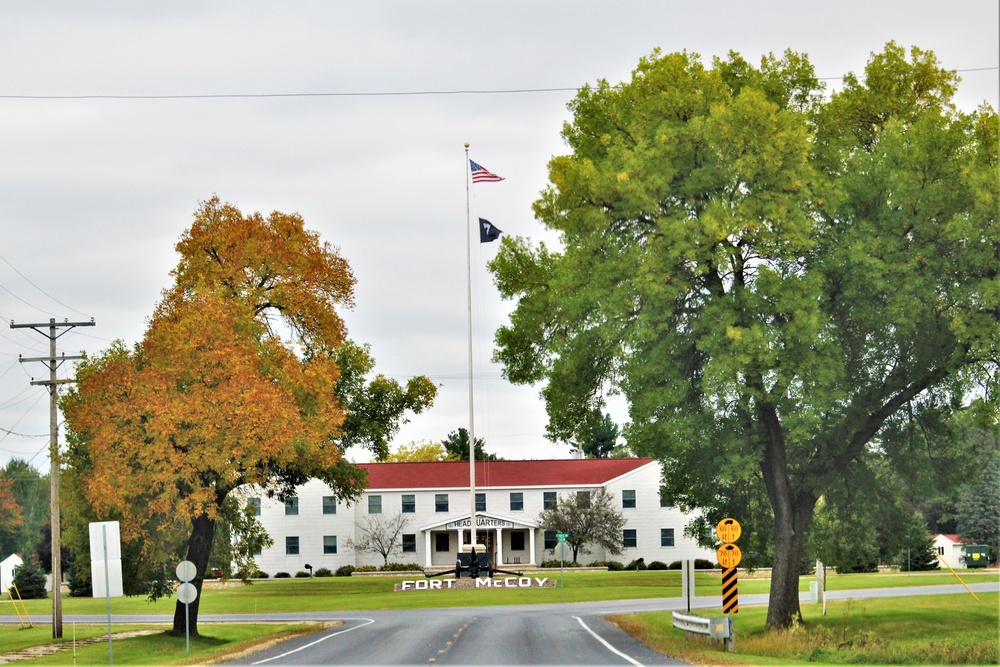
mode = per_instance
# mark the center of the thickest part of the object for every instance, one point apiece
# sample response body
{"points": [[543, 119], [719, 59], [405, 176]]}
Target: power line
{"points": [[384, 93], [224, 96], [28, 280], [24, 435]]}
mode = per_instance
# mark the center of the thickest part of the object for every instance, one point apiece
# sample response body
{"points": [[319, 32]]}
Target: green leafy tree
{"points": [[587, 518], [29, 579], [602, 441], [843, 540], [29, 491], [766, 276], [419, 452], [456, 444], [979, 508], [43, 551], [917, 553], [239, 535]]}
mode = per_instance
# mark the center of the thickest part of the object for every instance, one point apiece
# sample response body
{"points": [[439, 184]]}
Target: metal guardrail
{"points": [[718, 628]]}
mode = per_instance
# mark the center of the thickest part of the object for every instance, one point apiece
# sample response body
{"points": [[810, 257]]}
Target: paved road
{"points": [[550, 634]]}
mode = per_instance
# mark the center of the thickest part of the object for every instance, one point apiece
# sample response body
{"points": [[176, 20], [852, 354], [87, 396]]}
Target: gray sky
{"points": [[95, 192]]}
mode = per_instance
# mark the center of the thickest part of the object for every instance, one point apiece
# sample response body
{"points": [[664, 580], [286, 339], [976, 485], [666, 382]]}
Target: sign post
{"points": [[187, 593], [106, 568], [729, 556], [562, 557], [687, 581]]}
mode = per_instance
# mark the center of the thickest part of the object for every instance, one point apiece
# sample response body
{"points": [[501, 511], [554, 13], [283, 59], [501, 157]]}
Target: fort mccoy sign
{"points": [[482, 582]]}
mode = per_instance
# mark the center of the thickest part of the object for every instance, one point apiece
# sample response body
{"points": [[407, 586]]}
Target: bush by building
{"points": [[29, 579]]}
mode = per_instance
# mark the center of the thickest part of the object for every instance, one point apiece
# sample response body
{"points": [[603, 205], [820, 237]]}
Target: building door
{"points": [[488, 539]]}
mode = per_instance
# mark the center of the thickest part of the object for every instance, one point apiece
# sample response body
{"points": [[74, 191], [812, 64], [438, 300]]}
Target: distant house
{"points": [[950, 550], [312, 527], [7, 567]]}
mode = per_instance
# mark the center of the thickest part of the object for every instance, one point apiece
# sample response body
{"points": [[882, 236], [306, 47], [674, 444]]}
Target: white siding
{"points": [[310, 525]]}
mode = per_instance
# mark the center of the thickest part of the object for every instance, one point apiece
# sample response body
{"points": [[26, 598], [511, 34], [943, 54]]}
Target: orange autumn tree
{"points": [[215, 396], [10, 511]]}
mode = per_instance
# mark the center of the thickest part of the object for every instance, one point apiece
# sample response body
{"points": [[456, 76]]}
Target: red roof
{"points": [[455, 474], [951, 536]]}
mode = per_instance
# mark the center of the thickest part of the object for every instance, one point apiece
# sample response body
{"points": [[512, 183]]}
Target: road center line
{"points": [[321, 639], [606, 644]]}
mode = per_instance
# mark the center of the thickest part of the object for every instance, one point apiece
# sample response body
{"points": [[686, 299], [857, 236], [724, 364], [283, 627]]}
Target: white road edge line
{"points": [[321, 639], [606, 644]]}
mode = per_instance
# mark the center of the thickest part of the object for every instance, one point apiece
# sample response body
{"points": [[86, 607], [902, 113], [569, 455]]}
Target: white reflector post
{"points": [[106, 550]]}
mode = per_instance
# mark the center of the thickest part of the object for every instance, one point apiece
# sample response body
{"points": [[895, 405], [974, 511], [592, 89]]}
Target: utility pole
{"points": [[49, 331]]}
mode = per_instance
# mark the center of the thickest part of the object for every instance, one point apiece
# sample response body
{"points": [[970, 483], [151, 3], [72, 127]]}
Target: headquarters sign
{"points": [[481, 522]]}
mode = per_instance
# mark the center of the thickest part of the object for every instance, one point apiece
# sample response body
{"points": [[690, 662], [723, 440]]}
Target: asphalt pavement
{"points": [[546, 634]]}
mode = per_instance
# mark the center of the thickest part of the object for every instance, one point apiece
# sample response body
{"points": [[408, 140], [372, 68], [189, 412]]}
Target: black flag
{"points": [[487, 231]]}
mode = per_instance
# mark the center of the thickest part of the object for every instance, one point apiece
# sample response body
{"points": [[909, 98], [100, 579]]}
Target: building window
{"points": [[255, 504], [374, 504], [442, 542], [441, 503], [666, 537], [629, 539], [940, 551], [517, 540], [292, 507], [548, 500], [329, 544], [480, 502], [292, 546], [329, 504], [583, 498], [663, 501], [409, 543], [550, 540], [628, 499], [409, 503], [516, 501]]}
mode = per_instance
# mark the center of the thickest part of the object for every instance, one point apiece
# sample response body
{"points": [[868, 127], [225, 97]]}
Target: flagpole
{"points": [[472, 418]]}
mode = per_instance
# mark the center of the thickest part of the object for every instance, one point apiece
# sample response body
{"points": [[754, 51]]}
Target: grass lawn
{"points": [[153, 647], [927, 630], [359, 593]]}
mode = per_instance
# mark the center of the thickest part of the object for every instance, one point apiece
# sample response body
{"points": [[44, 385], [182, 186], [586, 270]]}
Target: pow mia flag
{"points": [[488, 231]]}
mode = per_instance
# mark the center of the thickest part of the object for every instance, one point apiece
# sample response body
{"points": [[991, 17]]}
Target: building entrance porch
{"points": [[509, 541]]}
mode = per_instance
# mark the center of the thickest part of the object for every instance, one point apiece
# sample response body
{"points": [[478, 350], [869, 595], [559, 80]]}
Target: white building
{"points": [[950, 551], [313, 528], [7, 568]]}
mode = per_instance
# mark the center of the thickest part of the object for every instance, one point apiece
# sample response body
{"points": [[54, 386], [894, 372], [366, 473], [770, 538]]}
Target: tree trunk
{"points": [[783, 606], [199, 549], [792, 514]]}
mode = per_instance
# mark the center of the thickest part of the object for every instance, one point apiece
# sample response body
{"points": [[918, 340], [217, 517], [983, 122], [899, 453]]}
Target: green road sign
{"points": [[562, 536]]}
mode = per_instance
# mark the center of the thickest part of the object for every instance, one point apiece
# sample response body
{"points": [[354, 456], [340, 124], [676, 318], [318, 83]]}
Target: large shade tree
{"points": [[766, 274], [244, 376]]}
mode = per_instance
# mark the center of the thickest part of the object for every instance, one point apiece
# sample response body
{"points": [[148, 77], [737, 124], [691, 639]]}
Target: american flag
{"points": [[481, 175]]}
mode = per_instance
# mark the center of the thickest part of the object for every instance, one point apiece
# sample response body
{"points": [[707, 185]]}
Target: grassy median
{"points": [[922, 630]]}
